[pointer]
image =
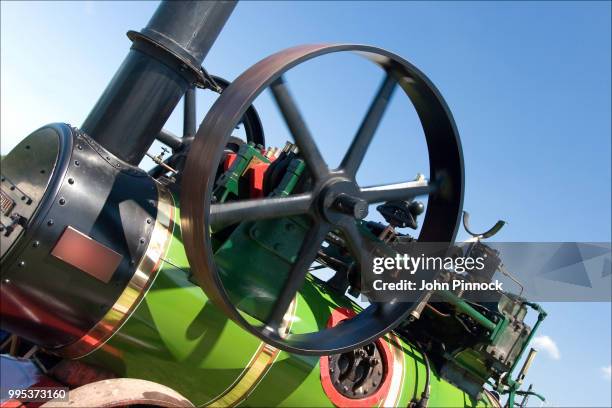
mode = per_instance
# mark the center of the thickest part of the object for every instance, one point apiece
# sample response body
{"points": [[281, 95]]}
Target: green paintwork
{"points": [[176, 337], [229, 182]]}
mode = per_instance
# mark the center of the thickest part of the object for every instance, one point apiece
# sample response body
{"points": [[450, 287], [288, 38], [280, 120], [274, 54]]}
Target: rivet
{"points": [[50, 222], [22, 198], [7, 280], [76, 163], [42, 171], [62, 201], [149, 220], [21, 264], [142, 240], [70, 180], [80, 147], [27, 147], [36, 244], [12, 188]]}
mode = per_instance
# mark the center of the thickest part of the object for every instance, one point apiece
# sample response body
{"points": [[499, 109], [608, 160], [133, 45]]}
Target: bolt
{"points": [[50, 222], [23, 198], [76, 163], [36, 244], [21, 264], [80, 147], [70, 180], [149, 220], [142, 240], [62, 201]]}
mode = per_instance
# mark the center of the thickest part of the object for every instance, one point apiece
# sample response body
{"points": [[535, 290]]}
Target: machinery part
{"points": [[90, 239], [360, 377], [401, 213], [319, 204], [162, 64], [253, 131], [121, 392], [487, 234]]}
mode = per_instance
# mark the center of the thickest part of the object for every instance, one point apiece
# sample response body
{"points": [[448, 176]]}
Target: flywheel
{"points": [[332, 202]]}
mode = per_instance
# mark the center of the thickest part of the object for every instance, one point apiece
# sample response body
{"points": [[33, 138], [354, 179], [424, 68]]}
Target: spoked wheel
{"points": [[335, 202]]}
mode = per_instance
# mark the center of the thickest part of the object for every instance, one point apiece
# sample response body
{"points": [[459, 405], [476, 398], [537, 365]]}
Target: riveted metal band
{"points": [[136, 288]]}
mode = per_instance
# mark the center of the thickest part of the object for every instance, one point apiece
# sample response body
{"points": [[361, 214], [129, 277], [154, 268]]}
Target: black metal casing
{"points": [[44, 299]]}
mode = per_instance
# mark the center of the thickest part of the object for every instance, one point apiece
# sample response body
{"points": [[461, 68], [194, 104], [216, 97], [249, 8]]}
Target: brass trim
{"points": [[256, 369], [136, 288]]}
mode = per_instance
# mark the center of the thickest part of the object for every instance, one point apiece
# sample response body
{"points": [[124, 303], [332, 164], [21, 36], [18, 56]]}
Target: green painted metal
{"points": [[176, 337], [229, 182], [464, 307]]}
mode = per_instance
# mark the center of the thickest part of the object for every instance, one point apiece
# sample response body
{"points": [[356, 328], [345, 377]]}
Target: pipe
{"points": [[189, 113], [163, 62], [464, 307]]}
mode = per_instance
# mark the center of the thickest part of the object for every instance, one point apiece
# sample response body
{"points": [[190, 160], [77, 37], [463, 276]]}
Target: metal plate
{"points": [[26, 172]]}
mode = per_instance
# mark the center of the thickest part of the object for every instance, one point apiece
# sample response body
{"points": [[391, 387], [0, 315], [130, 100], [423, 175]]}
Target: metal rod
{"points": [[464, 307], [189, 112], [163, 63], [170, 139]]}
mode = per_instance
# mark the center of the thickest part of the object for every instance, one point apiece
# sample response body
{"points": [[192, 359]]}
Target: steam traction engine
{"points": [[195, 282]]}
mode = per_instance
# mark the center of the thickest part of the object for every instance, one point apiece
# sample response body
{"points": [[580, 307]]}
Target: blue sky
{"points": [[529, 85]]}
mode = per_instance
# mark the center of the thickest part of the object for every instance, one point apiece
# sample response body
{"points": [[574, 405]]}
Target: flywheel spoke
{"points": [[226, 214], [360, 247], [396, 191], [359, 146], [306, 256], [301, 135]]}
